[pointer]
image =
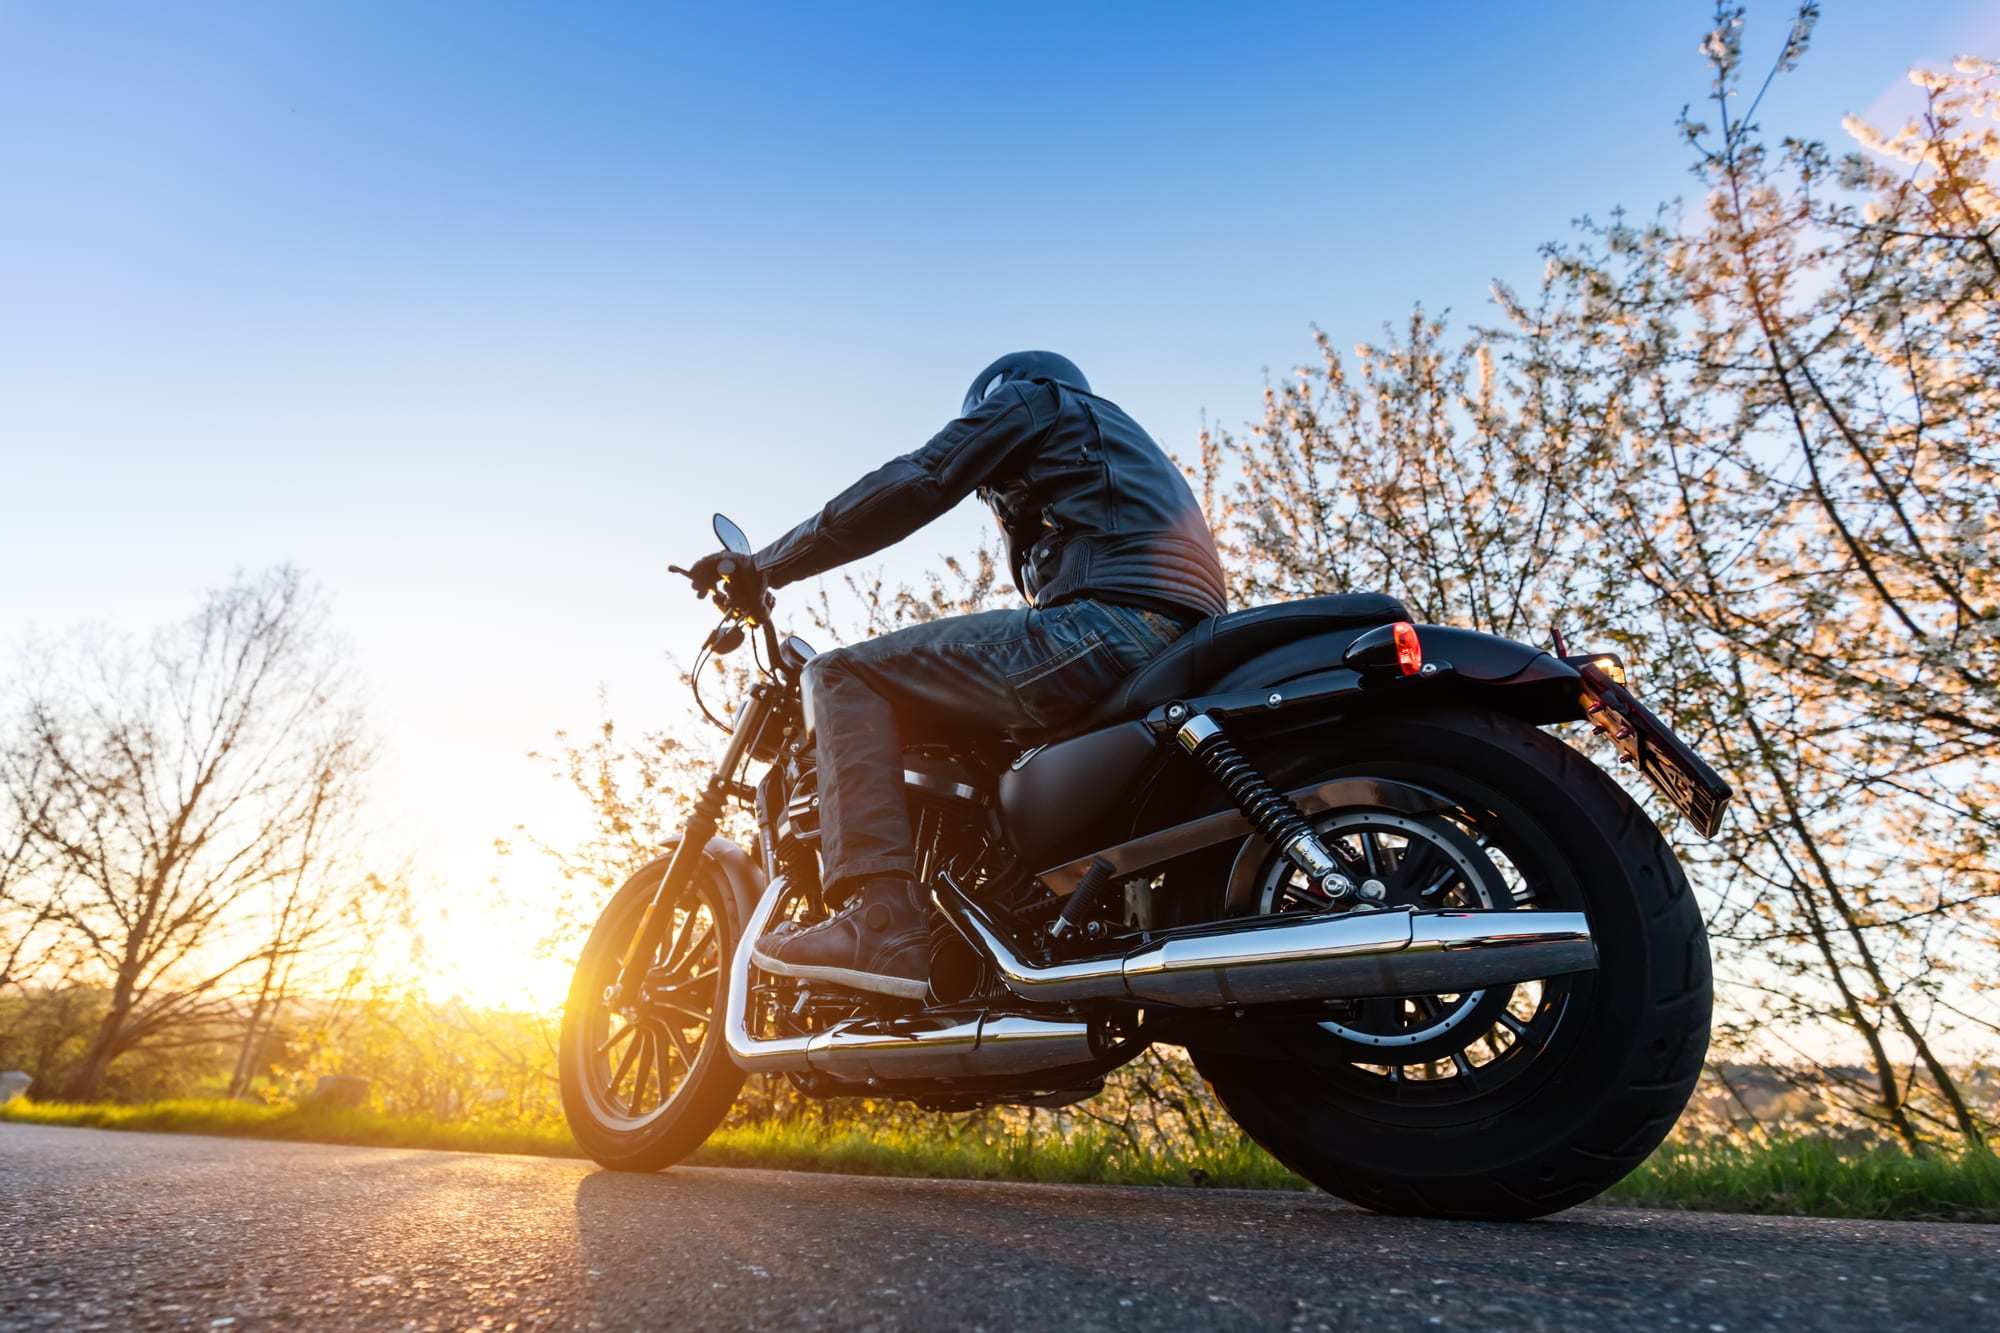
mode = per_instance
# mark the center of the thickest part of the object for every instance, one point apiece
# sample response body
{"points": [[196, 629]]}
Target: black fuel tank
{"points": [[1063, 800]]}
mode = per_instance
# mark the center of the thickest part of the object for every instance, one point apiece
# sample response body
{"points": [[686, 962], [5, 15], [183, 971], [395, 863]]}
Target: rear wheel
{"points": [[1518, 1100], [647, 1079]]}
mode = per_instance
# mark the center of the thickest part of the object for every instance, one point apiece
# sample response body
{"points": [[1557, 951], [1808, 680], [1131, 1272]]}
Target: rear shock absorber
{"points": [[1275, 816]]}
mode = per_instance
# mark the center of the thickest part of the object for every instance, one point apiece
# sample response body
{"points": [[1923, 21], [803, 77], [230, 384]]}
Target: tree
{"points": [[31, 889], [178, 786], [1806, 383], [1759, 450], [317, 926]]}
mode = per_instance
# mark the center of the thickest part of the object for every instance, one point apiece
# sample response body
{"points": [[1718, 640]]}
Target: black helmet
{"points": [[1024, 366]]}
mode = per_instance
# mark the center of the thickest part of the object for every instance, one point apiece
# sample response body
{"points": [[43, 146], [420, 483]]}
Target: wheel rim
{"points": [[1433, 1051], [640, 1057]]}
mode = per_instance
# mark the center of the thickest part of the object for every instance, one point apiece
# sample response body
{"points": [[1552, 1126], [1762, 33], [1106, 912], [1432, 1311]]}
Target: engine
{"points": [[952, 827]]}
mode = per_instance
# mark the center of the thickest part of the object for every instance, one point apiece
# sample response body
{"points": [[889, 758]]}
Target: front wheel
{"points": [[1510, 1102], [646, 1079]]}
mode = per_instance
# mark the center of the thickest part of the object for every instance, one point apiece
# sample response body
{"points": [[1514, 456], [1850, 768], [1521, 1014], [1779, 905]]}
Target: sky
{"points": [[477, 311]]}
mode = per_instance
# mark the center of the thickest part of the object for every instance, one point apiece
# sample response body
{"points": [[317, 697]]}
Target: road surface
{"points": [[105, 1230]]}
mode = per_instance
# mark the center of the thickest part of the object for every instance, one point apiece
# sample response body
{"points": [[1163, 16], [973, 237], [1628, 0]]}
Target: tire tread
{"points": [[1669, 1037]]}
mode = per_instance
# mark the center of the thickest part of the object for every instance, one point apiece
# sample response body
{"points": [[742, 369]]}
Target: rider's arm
{"points": [[905, 493]]}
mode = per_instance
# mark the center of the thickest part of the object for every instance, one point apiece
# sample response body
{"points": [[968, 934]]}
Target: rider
{"points": [[1111, 551]]}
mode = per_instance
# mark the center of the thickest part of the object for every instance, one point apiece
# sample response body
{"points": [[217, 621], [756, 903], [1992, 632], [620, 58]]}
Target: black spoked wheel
{"points": [[1511, 1101], [645, 1077], [1417, 1052]]}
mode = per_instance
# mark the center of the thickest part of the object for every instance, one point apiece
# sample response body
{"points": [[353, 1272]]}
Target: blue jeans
{"points": [[1022, 671]]}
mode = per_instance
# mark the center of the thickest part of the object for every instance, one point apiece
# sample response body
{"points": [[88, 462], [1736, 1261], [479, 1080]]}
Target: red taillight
{"points": [[1409, 653]]}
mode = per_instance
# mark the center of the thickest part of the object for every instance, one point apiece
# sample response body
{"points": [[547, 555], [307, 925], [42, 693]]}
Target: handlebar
{"points": [[735, 594], [743, 601]]}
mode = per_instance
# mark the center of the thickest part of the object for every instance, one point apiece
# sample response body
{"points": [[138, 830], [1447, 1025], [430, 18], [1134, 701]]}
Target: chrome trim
{"points": [[964, 1043], [1197, 731], [938, 786], [969, 1044], [1309, 854], [1398, 798], [755, 1054], [1094, 979], [1288, 960], [1267, 964]]}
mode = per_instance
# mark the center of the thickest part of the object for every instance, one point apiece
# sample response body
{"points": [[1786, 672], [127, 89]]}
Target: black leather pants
{"points": [[1020, 670]]}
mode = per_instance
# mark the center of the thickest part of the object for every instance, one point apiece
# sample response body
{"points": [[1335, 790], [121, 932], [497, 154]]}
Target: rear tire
{"points": [[636, 1130], [1624, 1044]]}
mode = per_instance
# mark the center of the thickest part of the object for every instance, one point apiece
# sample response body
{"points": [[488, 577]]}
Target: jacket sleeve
{"points": [[905, 493]]}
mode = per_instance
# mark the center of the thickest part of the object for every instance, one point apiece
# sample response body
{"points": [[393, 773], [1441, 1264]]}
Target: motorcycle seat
{"points": [[1221, 643]]}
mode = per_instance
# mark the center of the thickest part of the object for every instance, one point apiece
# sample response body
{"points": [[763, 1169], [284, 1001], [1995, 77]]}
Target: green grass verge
{"points": [[1091, 1156], [1816, 1178], [940, 1148], [1806, 1177], [304, 1124]]}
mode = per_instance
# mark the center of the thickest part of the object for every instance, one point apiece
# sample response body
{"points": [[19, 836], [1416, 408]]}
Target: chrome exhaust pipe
{"points": [[755, 1055], [954, 1043], [974, 1043], [1288, 960]]}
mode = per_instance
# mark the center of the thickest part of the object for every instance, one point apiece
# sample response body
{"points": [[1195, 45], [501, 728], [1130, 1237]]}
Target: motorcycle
{"points": [[1429, 956]]}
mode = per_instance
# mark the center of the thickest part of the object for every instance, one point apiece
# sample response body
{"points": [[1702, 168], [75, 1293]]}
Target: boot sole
{"points": [[903, 988]]}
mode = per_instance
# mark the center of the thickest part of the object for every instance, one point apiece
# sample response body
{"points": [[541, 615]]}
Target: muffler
{"points": [[958, 1043], [979, 1044], [1286, 960]]}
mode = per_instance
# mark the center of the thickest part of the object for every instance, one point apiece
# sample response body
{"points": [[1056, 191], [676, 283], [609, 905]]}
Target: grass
{"points": [[248, 1120], [1801, 1176], [1816, 1178], [1089, 1156], [936, 1148]]}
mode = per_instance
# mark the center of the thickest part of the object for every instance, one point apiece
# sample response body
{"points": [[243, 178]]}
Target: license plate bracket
{"points": [[1648, 744]]}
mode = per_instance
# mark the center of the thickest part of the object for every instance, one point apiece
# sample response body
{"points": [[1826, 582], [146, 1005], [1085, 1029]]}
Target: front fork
{"points": [[702, 823]]}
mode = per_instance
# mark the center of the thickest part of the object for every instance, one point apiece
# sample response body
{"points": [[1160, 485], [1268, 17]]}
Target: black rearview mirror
{"points": [[731, 536]]}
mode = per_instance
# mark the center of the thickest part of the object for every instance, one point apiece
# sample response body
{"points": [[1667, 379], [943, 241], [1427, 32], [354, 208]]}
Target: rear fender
{"points": [[1480, 670], [1530, 683]]}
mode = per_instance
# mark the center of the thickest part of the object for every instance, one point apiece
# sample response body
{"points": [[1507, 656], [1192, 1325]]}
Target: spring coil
{"points": [[1272, 813]]}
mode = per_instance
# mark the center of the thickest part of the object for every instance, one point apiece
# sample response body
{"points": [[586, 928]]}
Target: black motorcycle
{"points": [[1429, 956]]}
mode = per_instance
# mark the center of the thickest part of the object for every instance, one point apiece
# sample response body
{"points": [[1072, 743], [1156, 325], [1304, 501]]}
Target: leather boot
{"points": [[880, 942]]}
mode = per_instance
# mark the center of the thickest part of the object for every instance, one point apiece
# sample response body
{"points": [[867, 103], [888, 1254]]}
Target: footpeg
{"points": [[1081, 908]]}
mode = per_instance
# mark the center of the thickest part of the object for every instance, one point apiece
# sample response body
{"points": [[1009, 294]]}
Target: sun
{"points": [[485, 948]]}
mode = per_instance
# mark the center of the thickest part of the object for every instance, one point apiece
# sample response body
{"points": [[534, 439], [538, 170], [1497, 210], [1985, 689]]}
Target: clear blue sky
{"points": [[476, 310]]}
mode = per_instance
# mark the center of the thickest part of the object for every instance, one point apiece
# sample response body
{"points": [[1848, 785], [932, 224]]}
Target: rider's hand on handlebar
{"points": [[734, 580], [710, 570]]}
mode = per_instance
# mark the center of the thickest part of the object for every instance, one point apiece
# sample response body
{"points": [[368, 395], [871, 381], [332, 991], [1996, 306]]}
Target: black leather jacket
{"points": [[1089, 505]]}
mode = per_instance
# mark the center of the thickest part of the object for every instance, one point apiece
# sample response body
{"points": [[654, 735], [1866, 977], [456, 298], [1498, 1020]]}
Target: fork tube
{"points": [[701, 826]]}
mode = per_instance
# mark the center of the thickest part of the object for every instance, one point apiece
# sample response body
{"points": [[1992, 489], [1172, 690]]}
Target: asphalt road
{"points": [[103, 1230]]}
